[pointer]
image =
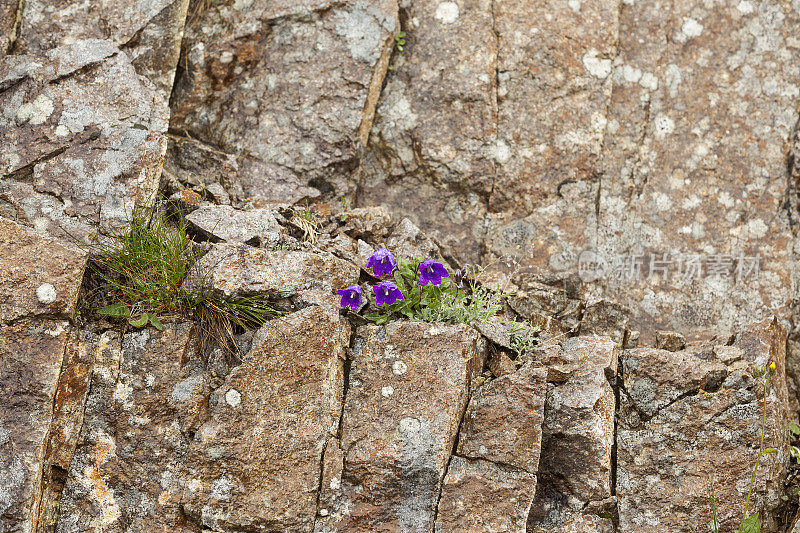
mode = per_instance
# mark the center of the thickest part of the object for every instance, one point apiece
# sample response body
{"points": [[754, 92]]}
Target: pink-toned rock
{"points": [[479, 496], [41, 275], [408, 387], [308, 73], [31, 353], [578, 431], [503, 423], [701, 437], [255, 463]]}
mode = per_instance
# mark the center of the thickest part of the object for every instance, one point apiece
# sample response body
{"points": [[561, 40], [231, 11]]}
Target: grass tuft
{"points": [[141, 274]]}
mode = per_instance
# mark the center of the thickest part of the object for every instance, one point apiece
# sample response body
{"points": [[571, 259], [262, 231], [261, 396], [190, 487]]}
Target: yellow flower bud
{"points": [[772, 365]]}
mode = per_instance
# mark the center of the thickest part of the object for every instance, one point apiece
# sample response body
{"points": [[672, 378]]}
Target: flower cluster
{"points": [[383, 263]]}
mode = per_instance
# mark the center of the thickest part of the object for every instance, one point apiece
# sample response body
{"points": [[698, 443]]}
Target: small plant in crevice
{"points": [[425, 291], [305, 219], [400, 41], [750, 523], [142, 275]]}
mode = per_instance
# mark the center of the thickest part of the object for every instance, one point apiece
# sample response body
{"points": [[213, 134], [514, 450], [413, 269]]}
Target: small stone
{"points": [[501, 364], [387, 391], [46, 294], [670, 340]]}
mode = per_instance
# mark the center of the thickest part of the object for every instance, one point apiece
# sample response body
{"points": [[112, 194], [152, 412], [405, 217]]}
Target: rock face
{"points": [[149, 32], [142, 399], [41, 276], [30, 362], [692, 431], [578, 432], [408, 387], [83, 139], [252, 76], [276, 411]]}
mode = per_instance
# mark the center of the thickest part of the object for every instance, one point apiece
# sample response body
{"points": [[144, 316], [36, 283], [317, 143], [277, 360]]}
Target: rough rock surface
{"points": [[669, 452], [504, 419], [480, 496], [240, 269], [30, 362], [578, 432], [288, 88], [224, 223], [277, 411], [41, 276], [82, 136], [142, 400], [408, 387], [149, 32]]}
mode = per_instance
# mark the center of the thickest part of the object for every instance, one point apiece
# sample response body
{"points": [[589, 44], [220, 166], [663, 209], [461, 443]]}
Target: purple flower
{"points": [[382, 262], [431, 271], [351, 297], [387, 293]]}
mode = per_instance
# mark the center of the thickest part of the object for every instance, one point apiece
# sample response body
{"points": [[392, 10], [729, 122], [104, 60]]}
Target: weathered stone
{"points": [[479, 496], [244, 270], [703, 107], [83, 350], [149, 32], [408, 242], [407, 392], [503, 423], [8, 25], [656, 378], [578, 431], [142, 401], [700, 438], [41, 276], [31, 353], [500, 364], [257, 227], [83, 139], [584, 523], [670, 340], [603, 317], [291, 85], [245, 179], [276, 410], [430, 156]]}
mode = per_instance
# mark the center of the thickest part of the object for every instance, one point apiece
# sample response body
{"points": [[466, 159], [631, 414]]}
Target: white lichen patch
{"points": [[399, 368], [36, 112], [409, 425], [663, 126], [233, 397], [446, 12], [690, 29], [46, 294], [595, 65], [745, 7], [387, 391]]}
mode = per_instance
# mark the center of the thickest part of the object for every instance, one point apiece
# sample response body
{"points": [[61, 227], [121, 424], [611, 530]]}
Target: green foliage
{"points": [[446, 303], [400, 41], [143, 271], [751, 524], [523, 337]]}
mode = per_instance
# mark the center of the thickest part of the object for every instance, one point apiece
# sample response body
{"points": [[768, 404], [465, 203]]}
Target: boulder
{"points": [[408, 389], [575, 465], [256, 462], [232, 269], [149, 32], [222, 223], [307, 73], [41, 275], [83, 139], [679, 434], [31, 352], [479, 496]]}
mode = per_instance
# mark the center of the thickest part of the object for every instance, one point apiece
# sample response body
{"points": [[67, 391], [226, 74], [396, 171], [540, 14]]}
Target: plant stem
{"points": [[760, 451]]}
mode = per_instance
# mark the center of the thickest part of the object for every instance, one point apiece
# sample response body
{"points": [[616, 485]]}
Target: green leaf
{"points": [[713, 525], [768, 451], [794, 428], [372, 317], [751, 524], [118, 310], [138, 323], [156, 322]]}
